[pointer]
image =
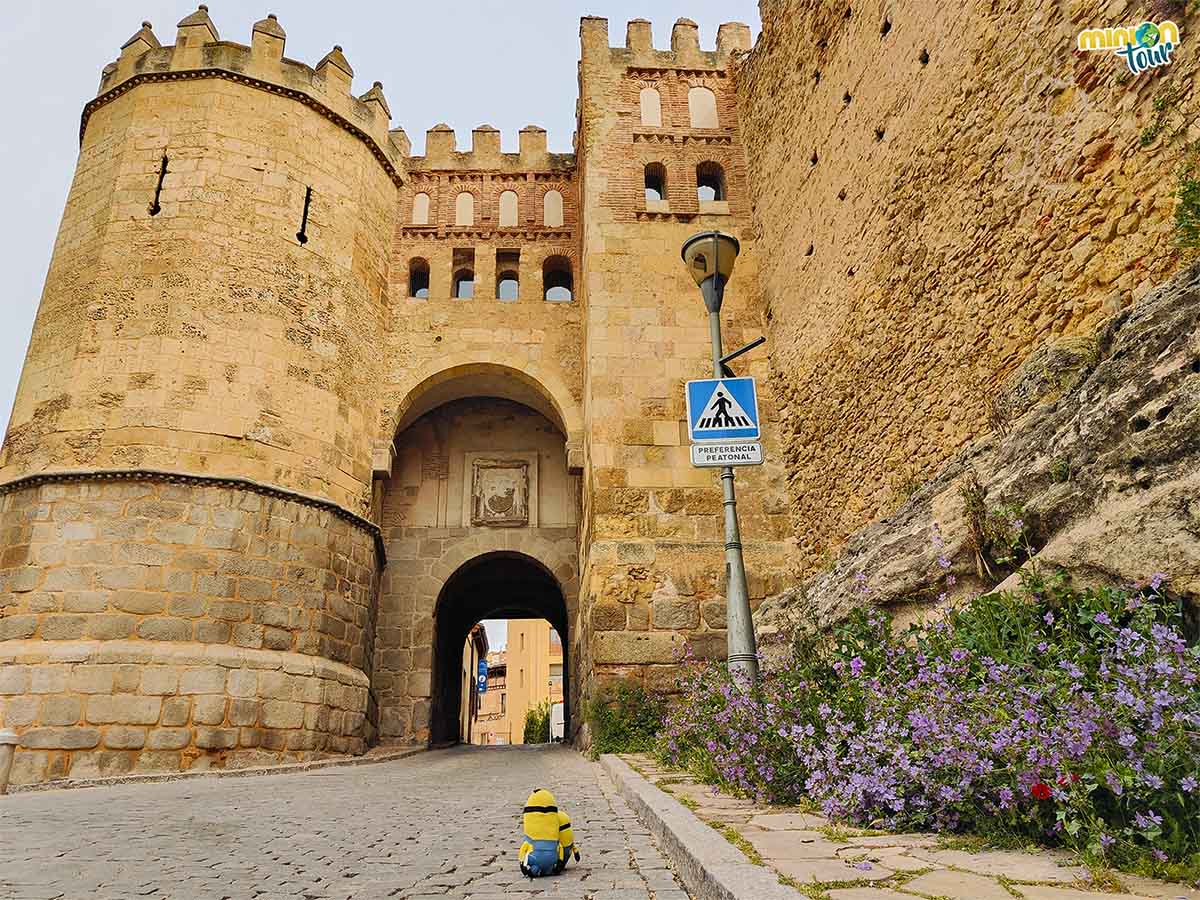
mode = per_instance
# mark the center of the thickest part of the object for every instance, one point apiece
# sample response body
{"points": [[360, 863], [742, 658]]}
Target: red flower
{"points": [[1040, 791]]}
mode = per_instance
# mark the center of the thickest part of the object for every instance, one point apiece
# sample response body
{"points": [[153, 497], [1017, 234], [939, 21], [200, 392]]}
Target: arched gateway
{"points": [[479, 519]]}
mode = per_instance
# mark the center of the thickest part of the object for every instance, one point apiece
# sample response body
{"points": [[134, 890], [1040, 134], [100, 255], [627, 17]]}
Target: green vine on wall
{"points": [[1170, 122]]}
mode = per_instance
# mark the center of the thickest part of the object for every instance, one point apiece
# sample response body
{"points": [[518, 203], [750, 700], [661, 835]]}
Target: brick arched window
{"points": [[508, 209], [651, 107], [702, 107], [464, 209], [656, 182], [464, 284], [420, 209], [710, 182], [552, 209], [418, 278], [558, 281]]}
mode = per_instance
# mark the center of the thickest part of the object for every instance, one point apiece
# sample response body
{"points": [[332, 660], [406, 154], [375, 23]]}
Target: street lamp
{"points": [[709, 257]]}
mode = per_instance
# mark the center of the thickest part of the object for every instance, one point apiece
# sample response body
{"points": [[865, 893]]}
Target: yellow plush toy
{"points": [[549, 841]]}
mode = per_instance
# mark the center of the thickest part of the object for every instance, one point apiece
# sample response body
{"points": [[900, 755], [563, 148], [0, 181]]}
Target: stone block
{"points": [[126, 679], [281, 714], [243, 712], [123, 709], [17, 628], [110, 627], [634, 648], [169, 738], [60, 738], [60, 711], [86, 679], [62, 627], [14, 679], [19, 711], [676, 613], [208, 709], [122, 737], [159, 680], [142, 603], [608, 617], [176, 710], [206, 680], [165, 629], [216, 738]]}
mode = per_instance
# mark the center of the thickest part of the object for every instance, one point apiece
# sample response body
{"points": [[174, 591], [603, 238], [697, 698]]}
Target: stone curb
{"points": [[249, 771], [708, 865]]}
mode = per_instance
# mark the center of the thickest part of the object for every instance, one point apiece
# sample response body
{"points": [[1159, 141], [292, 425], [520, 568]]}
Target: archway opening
{"points": [[502, 585]]}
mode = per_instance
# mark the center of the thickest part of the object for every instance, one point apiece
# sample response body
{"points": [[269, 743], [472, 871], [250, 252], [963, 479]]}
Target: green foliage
{"points": [[537, 724], [624, 719], [1187, 195], [1060, 470]]}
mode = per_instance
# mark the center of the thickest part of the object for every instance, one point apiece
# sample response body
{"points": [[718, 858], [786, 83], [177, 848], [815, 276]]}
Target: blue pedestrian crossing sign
{"points": [[722, 409]]}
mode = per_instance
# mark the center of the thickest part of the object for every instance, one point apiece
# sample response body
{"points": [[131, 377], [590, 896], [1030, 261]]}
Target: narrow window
{"points": [[464, 284], [508, 209], [420, 210], [710, 182], [418, 278], [651, 104], [508, 280], [552, 209], [464, 209], [702, 106], [557, 282], [156, 207], [656, 182], [302, 234]]}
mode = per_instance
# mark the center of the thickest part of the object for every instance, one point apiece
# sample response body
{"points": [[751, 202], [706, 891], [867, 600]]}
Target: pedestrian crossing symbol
{"points": [[722, 409]]}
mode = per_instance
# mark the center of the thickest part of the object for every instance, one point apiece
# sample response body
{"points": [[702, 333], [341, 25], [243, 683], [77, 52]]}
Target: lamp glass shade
{"points": [[710, 253]]}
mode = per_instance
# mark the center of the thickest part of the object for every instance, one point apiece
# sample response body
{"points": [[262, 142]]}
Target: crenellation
{"points": [[733, 37], [267, 41]]}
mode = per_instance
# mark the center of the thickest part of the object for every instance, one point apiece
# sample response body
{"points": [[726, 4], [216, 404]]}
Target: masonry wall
{"points": [[933, 203], [653, 578], [206, 338], [150, 625]]}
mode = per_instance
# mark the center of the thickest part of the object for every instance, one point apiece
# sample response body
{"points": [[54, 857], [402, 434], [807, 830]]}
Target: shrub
{"points": [[537, 724], [1067, 716], [624, 719]]}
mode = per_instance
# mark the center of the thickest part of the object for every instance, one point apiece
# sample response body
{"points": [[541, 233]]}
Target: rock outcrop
{"points": [[1094, 460]]}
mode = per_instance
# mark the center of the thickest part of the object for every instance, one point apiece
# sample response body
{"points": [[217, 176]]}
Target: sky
{"points": [[462, 62]]}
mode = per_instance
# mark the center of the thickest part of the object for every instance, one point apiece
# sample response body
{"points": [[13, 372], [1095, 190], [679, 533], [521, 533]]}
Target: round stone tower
{"points": [[186, 564]]}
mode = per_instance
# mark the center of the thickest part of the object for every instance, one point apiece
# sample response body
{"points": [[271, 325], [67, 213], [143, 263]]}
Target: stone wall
{"points": [[206, 338], [104, 576], [940, 189], [653, 577]]}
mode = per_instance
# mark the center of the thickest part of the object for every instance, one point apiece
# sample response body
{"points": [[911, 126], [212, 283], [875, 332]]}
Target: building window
{"points": [[418, 278], [420, 210], [710, 182], [506, 286], [702, 107], [503, 704], [464, 209], [557, 282], [464, 284], [508, 209], [656, 182], [651, 107], [556, 675], [552, 209], [522, 670]]}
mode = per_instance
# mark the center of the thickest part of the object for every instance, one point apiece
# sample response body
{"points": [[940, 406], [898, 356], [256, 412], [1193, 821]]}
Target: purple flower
{"points": [[1106, 841], [1102, 618], [1160, 856], [1189, 784], [1151, 818], [864, 866], [1048, 618], [857, 666], [1157, 580]]}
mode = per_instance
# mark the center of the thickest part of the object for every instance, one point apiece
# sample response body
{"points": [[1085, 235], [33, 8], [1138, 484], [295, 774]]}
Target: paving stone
{"points": [[868, 893], [786, 821], [358, 833], [790, 844], [1041, 892], [822, 870], [1042, 866], [959, 886], [1159, 890]]}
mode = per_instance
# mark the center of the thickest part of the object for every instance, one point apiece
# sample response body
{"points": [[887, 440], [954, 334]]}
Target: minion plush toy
{"points": [[549, 841]]}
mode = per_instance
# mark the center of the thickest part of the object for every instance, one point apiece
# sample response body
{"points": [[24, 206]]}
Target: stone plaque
{"points": [[500, 492]]}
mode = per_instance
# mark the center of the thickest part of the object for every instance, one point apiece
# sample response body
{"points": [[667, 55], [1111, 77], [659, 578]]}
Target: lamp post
{"points": [[709, 257]]}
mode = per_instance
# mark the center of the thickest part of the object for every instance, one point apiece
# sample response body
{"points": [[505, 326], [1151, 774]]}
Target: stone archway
{"points": [[497, 585], [462, 430]]}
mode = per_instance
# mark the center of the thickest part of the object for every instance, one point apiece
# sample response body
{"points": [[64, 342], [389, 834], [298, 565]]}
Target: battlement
{"points": [[441, 153], [198, 51], [685, 52]]}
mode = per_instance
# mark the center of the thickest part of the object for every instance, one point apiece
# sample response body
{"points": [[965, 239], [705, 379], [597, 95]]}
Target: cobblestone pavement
{"points": [[435, 826], [847, 864]]}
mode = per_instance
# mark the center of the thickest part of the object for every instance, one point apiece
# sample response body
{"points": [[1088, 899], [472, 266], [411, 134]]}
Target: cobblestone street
{"points": [[444, 824]]}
